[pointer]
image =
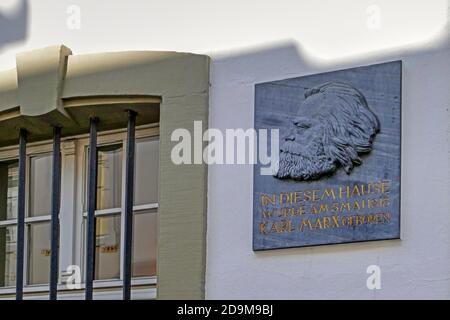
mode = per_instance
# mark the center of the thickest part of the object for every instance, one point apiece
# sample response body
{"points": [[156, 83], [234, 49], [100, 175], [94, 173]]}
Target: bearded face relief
{"points": [[336, 159], [333, 126]]}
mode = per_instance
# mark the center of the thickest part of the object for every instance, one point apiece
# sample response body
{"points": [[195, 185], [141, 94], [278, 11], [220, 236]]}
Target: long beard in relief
{"points": [[299, 163]]}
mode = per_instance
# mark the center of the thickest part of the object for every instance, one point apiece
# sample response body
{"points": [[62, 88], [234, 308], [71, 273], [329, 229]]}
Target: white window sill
{"points": [[142, 289]]}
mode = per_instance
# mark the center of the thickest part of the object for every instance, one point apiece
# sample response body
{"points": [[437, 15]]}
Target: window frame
{"points": [[12, 154], [36, 219], [103, 139]]}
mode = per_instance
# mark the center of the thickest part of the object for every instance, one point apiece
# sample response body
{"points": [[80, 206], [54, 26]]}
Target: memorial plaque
{"points": [[338, 174]]}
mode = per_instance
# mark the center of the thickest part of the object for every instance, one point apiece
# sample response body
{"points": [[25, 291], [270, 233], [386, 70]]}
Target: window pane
{"points": [[109, 181], [38, 253], [40, 185], [107, 248], [8, 251], [8, 189], [144, 244], [147, 169]]}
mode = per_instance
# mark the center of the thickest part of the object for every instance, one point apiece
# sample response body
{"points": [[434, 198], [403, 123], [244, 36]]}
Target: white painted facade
{"points": [[261, 41]]}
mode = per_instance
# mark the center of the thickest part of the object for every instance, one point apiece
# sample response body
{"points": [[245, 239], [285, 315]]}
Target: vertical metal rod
{"points": [[91, 204], [21, 213], [129, 197], [56, 203]]}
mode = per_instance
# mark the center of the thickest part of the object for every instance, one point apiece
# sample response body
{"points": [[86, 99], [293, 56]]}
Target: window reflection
{"points": [[8, 189], [8, 211], [40, 185], [107, 248], [8, 252], [144, 244], [109, 178], [147, 170], [38, 253]]}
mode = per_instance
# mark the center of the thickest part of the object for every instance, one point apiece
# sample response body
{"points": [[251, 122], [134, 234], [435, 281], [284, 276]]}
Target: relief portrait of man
{"points": [[333, 127]]}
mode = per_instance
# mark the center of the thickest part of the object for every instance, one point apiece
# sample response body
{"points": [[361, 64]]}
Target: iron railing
{"points": [[92, 202]]}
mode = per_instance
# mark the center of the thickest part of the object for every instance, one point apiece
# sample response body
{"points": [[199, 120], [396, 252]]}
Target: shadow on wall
{"points": [[14, 27], [291, 54]]}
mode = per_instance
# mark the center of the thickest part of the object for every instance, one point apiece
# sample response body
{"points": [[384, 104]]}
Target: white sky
{"points": [[325, 29]]}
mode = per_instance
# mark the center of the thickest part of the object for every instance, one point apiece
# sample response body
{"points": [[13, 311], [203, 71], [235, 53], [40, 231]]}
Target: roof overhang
{"points": [[51, 87]]}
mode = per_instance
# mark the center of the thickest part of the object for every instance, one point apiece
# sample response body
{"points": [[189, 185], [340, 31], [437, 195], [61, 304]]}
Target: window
{"points": [[37, 220], [110, 210], [109, 213], [8, 212], [145, 200]]}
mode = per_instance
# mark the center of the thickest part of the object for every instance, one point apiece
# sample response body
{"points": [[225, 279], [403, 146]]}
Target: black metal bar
{"points": [[56, 203], [91, 204], [129, 197], [21, 213]]}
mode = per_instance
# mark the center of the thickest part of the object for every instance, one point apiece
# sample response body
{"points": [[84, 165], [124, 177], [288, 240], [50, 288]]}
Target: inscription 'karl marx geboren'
{"points": [[333, 126]]}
